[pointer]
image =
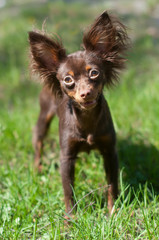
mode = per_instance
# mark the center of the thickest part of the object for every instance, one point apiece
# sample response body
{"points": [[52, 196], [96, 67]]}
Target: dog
{"points": [[73, 89]]}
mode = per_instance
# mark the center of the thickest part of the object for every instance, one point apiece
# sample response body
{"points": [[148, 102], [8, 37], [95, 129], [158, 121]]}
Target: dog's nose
{"points": [[85, 93]]}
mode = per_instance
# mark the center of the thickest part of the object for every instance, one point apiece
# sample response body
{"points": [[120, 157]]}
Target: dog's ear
{"points": [[46, 56], [107, 40]]}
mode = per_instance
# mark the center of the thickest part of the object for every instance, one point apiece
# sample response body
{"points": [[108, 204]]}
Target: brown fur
{"points": [[73, 89]]}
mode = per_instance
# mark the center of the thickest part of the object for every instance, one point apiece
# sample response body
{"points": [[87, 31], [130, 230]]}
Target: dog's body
{"points": [[74, 91]]}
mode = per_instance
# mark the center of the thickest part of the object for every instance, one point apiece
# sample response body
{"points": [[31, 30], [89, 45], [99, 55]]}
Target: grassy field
{"points": [[31, 204]]}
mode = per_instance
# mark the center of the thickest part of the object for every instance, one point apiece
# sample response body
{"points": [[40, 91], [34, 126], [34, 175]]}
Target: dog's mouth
{"points": [[89, 104]]}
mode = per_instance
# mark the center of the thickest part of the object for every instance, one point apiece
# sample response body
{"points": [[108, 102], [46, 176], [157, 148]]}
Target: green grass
{"points": [[31, 204]]}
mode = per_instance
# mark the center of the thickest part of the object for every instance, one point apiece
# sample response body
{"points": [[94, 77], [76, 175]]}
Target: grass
{"points": [[31, 204]]}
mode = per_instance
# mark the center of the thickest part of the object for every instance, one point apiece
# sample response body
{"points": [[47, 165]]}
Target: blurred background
{"points": [[134, 103]]}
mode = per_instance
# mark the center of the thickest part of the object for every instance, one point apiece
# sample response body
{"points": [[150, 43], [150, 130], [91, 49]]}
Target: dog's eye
{"points": [[94, 73], [68, 80]]}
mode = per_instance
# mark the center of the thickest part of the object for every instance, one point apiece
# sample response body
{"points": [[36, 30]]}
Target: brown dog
{"points": [[73, 89]]}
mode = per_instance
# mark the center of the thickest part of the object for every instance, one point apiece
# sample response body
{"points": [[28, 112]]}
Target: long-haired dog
{"points": [[73, 89]]}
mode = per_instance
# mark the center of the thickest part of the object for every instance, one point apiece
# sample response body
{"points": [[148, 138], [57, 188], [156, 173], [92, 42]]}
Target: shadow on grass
{"points": [[140, 162]]}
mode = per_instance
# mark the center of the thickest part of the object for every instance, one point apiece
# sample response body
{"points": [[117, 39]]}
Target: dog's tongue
{"points": [[89, 102]]}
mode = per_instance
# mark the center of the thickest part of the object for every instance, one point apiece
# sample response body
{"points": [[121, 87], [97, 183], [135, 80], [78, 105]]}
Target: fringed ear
{"points": [[46, 56], [107, 39]]}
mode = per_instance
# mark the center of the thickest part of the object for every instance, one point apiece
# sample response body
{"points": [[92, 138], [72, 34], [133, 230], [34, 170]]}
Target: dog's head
{"points": [[83, 74]]}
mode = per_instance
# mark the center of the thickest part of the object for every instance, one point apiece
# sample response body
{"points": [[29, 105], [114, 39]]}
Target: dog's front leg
{"points": [[111, 169], [67, 174]]}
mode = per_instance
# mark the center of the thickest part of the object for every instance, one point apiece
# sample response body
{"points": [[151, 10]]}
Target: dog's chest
{"points": [[90, 139], [86, 143]]}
